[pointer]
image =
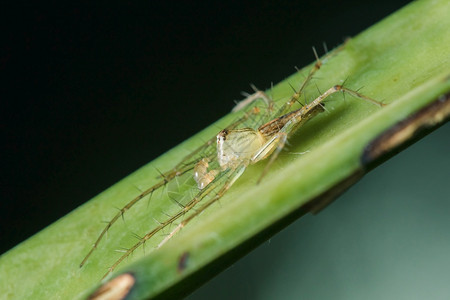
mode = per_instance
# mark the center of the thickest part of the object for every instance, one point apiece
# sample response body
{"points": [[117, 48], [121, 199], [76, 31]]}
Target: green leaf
{"points": [[403, 60]]}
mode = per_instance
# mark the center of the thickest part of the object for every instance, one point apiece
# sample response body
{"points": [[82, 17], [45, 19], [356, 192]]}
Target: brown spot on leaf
{"points": [[115, 289], [407, 131], [183, 261]]}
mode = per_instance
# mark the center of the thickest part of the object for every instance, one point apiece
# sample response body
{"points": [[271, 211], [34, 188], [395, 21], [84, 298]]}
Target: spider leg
{"points": [[280, 142], [121, 212], [298, 93], [257, 95], [187, 207], [279, 129], [234, 176], [185, 165]]}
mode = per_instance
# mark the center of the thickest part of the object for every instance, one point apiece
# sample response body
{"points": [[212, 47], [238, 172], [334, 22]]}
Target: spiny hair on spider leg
{"points": [[143, 247], [317, 87], [166, 214], [160, 174], [137, 188], [325, 48], [122, 211], [156, 220], [136, 236], [163, 234], [149, 199], [121, 250], [177, 202]]}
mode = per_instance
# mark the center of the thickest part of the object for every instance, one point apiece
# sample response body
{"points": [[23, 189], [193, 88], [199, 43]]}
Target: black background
{"points": [[91, 93]]}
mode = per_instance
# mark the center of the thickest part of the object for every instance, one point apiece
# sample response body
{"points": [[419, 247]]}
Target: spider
{"points": [[218, 163]]}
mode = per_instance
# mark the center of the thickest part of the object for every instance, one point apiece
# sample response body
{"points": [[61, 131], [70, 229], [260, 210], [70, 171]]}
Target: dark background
{"points": [[91, 93]]}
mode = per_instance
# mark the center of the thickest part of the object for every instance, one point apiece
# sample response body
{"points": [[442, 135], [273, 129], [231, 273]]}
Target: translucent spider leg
{"points": [[257, 95], [297, 93], [236, 174], [281, 128], [185, 209], [167, 178], [277, 131], [186, 164]]}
